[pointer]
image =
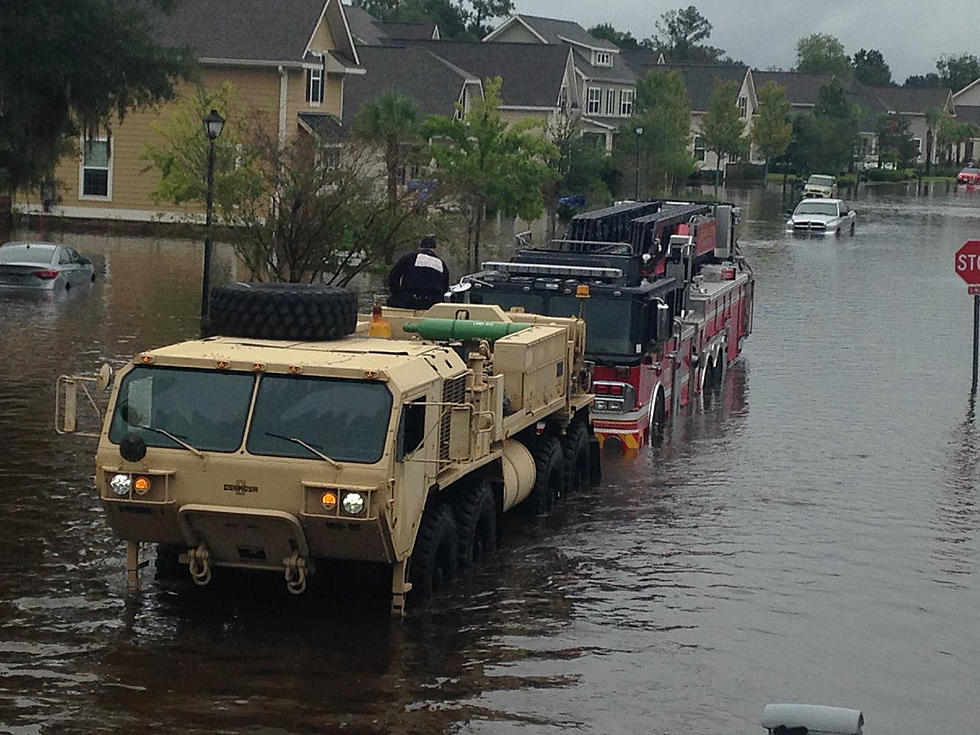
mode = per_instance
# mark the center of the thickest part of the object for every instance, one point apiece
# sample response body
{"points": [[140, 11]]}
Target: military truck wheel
{"points": [[549, 481], [434, 559], [282, 311], [476, 523], [578, 461], [166, 567]]}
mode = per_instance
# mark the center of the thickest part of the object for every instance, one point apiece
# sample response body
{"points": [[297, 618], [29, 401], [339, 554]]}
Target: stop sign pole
{"points": [[966, 263]]}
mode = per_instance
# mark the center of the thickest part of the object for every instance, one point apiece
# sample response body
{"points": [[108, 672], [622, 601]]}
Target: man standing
{"points": [[419, 279]]}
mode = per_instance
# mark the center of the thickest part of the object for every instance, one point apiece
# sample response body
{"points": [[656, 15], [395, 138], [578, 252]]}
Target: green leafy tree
{"points": [[71, 68], [577, 162], [956, 71], [623, 39], [895, 143], [821, 53], [392, 123], [922, 81], [179, 153], [680, 33], [485, 163], [870, 68], [933, 117], [772, 130], [721, 128], [457, 20], [484, 10], [825, 141], [663, 111]]}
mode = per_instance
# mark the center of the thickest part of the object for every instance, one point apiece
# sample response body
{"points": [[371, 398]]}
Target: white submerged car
{"points": [[45, 266], [820, 186], [821, 216]]}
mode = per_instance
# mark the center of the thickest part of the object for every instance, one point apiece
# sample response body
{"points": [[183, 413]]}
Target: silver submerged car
{"points": [[45, 266], [822, 216]]}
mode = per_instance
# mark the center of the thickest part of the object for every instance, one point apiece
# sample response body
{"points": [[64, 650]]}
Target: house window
{"points": [[314, 86], [96, 169], [601, 58], [610, 101], [595, 101], [699, 148], [743, 107], [626, 102], [918, 145], [330, 156], [562, 98]]}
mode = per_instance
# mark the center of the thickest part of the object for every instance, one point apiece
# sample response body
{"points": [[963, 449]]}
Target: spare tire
{"points": [[289, 311]]}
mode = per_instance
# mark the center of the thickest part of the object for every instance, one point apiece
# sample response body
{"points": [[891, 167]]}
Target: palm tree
{"points": [[391, 123], [933, 116]]}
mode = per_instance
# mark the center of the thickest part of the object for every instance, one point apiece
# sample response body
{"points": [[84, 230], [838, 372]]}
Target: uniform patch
{"points": [[428, 261]]}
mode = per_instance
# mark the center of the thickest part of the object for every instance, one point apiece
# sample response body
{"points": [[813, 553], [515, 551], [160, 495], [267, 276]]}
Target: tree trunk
{"points": [[6, 217], [928, 153], [552, 220], [717, 170], [765, 174], [480, 215]]}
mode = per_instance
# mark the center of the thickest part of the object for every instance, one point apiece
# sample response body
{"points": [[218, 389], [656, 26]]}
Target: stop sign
{"points": [[966, 262]]}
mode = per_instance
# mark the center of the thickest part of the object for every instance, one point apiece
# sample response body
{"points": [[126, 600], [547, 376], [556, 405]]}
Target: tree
{"points": [[49, 96], [623, 39], [933, 115], [484, 163], [457, 19], [391, 123], [577, 163], [821, 53], [870, 68], [957, 71], [895, 143], [922, 81], [483, 10], [825, 141], [772, 130], [663, 111], [680, 32], [721, 128]]}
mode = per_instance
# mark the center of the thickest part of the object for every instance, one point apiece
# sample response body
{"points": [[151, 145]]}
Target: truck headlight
{"points": [[353, 503], [121, 484]]}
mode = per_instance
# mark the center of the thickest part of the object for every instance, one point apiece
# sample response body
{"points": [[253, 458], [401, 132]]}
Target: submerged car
{"points": [[969, 175], [820, 186], [43, 266], [822, 216]]}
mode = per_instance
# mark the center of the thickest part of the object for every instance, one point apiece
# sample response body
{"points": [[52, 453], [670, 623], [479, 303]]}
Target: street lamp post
{"points": [[213, 123], [636, 188]]}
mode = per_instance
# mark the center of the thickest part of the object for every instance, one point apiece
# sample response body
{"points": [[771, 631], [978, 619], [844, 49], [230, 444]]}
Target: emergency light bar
{"points": [[545, 269]]}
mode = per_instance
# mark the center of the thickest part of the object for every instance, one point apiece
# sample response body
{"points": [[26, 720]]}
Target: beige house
{"points": [[287, 60], [966, 102]]}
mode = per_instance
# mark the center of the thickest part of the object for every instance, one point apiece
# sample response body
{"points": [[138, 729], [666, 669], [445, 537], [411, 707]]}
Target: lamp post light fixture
{"points": [[636, 188], [213, 123]]}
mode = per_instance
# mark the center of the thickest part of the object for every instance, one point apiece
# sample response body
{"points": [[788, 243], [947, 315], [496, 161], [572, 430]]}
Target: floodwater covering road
{"points": [[810, 535]]}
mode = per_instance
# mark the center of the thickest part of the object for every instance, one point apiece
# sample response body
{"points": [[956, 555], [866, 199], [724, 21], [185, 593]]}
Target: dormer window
{"points": [[601, 58], [314, 86]]}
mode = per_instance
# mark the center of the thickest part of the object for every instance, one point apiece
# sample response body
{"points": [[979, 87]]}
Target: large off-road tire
{"points": [[434, 561], [166, 567], [578, 459], [475, 512], [281, 311], [549, 480]]}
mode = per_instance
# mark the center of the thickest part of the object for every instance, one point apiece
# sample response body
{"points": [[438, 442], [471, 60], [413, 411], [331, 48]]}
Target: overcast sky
{"points": [[910, 34]]}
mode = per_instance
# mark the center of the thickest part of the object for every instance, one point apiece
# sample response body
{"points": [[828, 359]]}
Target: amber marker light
{"points": [[146, 358], [222, 364], [141, 485], [329, 500], [258, 366], [582, 291], [295, 369]]}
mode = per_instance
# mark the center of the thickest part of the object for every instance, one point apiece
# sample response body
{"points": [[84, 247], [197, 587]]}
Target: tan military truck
{"points": [[399, 439]]}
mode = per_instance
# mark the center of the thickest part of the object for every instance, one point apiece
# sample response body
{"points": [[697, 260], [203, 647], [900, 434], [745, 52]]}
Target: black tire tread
{"points": [[473, 505], [575, 445], [166, 567], [436, 528], [287, 311], [548, 459]]}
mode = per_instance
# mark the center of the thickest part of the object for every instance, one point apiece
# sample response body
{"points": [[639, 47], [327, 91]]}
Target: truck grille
{"points": [[453, 391]]}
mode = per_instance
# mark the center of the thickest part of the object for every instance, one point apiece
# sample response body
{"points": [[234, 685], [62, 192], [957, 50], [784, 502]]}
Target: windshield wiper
{"points": [[311, 448], [170, 436]]}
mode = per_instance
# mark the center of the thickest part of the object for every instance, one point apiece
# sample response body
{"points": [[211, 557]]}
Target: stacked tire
{"points": [[281, 311]]}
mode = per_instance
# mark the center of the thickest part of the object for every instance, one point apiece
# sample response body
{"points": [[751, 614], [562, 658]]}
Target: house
{"points": [[369, 31], [966, 103], [286, 60]]}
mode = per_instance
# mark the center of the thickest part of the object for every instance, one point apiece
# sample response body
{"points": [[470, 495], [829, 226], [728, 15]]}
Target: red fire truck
{"points": [[666, 295]]}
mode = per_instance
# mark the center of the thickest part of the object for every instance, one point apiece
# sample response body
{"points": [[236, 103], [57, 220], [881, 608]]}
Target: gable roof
{"points": [[369, 31], [699, 79], [912, 100], [618, 72], [532, 73], [968, 113], [554, 31], [801, 89], [410, 31], [432, 82]]}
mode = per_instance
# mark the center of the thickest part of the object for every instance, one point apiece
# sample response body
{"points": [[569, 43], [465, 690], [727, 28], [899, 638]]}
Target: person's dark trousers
{"points": [[414, 300]]}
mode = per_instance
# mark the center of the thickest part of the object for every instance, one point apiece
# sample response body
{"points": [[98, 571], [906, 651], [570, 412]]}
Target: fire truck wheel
{"points": [[852, 229], [658, 420], [549, 480], [433, 564], [166, 567], [475, 513], [281, 311], [578, 461]]}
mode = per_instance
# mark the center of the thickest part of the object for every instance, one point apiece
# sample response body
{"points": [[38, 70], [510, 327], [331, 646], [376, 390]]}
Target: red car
{"points": [[969, 175]]}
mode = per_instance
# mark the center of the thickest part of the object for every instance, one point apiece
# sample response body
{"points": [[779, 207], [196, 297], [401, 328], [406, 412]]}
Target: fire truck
{"points": [[665, 293]]}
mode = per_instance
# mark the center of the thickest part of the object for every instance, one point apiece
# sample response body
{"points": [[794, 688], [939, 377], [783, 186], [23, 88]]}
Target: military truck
{"points": [[298, 432]]}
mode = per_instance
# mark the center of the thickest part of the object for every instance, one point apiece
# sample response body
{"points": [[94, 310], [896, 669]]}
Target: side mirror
{"points": [[106, 374]]}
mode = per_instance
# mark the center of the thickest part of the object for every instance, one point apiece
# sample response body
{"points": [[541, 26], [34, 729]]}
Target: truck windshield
{"points": [[346, 420], [205, 408], [609, 322], [811, 207]]}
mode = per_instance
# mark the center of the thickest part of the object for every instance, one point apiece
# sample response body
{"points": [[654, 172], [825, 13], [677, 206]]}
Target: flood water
{"points": [[811, 536]]}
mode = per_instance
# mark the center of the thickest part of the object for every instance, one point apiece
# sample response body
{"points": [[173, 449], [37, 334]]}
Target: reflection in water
{"points": [[809, 534]]}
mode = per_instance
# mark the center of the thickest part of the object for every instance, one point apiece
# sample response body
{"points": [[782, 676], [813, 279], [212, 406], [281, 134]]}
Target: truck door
{"points": [[415, 468]]}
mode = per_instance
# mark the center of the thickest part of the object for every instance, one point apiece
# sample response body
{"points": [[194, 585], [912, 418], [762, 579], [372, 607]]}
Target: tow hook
{"points": [[200, 564], [295, 573]]}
